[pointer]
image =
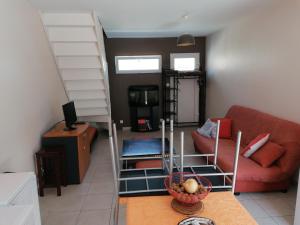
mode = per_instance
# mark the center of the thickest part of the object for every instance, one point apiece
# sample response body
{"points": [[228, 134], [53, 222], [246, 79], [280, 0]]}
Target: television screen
{"points": [[69, 114]]}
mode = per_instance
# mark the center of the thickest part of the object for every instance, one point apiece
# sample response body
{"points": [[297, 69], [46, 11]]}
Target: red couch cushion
{"points": [[255, 144], [268, 154], [148, 164], [225, 127]]}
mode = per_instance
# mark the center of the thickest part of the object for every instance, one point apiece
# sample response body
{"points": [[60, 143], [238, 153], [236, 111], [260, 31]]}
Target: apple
{"points": [[190, 186]]}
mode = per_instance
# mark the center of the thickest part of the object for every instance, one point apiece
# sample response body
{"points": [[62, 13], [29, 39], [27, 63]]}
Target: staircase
{"points": [[77, 43]]}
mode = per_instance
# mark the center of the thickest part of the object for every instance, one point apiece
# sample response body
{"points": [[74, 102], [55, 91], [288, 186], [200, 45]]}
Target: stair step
{"points": [[78, 46], [72, 34], [69, 19], [96, 103], [75, 49], [91, 112], [83, 95], [83, 85], [81, 74], [83, 62]]}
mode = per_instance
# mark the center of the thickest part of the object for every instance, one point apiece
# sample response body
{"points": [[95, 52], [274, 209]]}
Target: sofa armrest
{"points": [[290, 161]]}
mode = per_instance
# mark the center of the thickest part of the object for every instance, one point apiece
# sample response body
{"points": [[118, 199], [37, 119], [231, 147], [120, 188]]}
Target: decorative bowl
{"points": [[178, 178]]}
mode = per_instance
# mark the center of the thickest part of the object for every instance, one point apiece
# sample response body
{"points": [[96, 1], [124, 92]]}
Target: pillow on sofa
{"points": [[255, 144], [268, 154], [225, 127], [207, 128]]}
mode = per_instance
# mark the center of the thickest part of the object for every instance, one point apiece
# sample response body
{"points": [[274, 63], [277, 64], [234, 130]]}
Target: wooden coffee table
{"points": [[221, 207]]}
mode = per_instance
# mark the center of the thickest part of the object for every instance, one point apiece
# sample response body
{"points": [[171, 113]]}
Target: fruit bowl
{"points": [[182, 187]]}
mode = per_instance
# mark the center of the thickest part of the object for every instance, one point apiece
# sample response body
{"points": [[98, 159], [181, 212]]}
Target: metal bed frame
{"points": [[145, 179]]}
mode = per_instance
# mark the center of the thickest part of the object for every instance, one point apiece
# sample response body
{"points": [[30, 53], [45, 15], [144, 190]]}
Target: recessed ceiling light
{"points": [[185, 16]]}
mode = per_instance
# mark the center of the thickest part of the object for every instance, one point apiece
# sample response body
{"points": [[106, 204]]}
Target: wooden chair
{"points": [[51, 159]]}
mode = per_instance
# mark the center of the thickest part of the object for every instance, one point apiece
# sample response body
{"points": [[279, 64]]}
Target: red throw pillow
{"points": [[255, 144], [225, 127], [268, 154]]}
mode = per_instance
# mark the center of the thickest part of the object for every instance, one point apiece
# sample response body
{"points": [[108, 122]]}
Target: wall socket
{"points": [[121, 121]]}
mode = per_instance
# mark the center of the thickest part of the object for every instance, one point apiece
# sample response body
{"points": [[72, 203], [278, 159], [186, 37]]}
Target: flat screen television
{"points": [[70, 115]]}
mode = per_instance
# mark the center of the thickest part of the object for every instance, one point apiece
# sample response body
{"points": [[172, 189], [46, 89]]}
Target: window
{"points": [[138, 64], [185, 61]]}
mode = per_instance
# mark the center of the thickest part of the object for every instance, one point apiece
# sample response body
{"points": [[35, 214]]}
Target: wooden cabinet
{"points": [[77, 146]]}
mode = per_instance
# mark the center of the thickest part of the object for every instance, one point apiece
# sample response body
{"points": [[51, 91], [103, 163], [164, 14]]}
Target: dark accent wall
{"points": [[119, 83]]}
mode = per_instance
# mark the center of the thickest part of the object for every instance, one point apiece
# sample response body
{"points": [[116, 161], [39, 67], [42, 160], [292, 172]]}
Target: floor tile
{"points": [[88, 175], [102, 176], [62, 218], [292, 201], [244, 196], [276, 207], [97, 217], [44, 215], [266, 221], [284, 220], [254, 209], [100, 161], [292, 192], [78, 189], [102, 188], [65, 203], [103, 168], [97, 202], [268, 195]]}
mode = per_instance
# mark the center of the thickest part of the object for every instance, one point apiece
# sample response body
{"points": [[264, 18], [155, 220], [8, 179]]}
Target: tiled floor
{"points": [[90, 202]]}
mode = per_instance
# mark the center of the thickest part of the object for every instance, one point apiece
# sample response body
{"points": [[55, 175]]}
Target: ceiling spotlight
{"points": [[186, 16], [185, 40]]}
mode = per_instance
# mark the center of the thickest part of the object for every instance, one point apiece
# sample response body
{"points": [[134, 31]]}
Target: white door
{"points": [[188, 101]]}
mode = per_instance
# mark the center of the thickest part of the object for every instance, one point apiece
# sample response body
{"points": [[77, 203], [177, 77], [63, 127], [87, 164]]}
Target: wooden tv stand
{"points": [[76, 143]]}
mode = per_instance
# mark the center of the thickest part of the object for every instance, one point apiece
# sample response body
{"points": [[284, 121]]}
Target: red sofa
{"points": [[251, 177]]}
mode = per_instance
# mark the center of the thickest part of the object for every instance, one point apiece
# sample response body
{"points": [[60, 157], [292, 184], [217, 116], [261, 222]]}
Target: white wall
{"points": [[255, 62], [30, 90]]}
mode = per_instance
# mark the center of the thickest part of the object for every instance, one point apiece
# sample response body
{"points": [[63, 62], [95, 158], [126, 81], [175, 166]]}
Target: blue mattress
{"points": [[143, 147]]}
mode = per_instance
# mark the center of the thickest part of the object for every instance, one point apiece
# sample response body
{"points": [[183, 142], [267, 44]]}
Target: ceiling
{"points": [[159, 18]]}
